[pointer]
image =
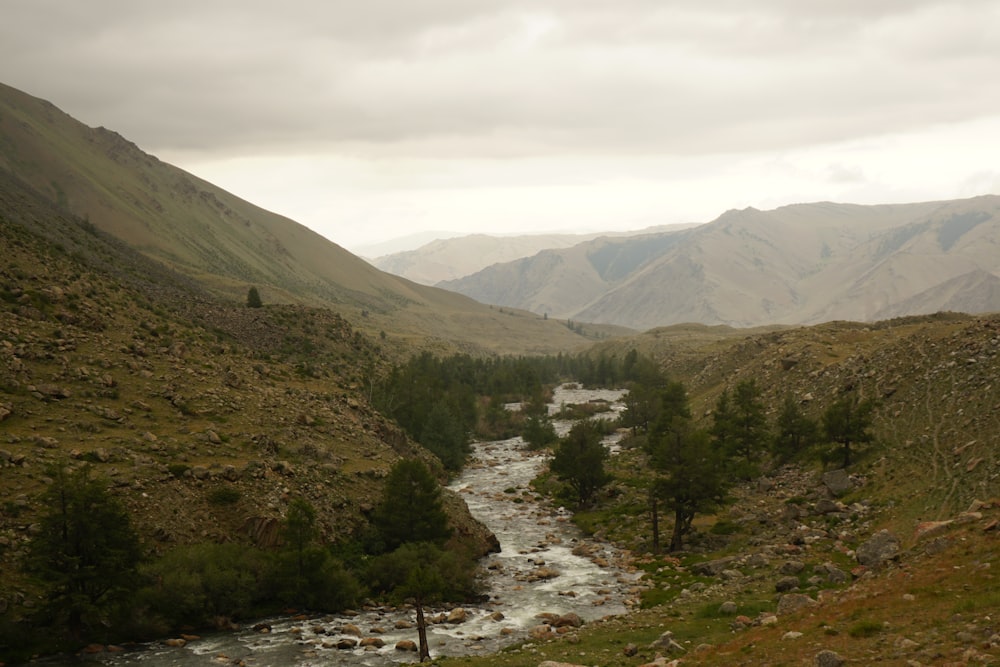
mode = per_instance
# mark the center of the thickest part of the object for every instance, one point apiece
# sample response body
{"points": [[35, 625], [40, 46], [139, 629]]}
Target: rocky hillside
{"points": [[800, 264], [227, 244], [888, 562], [206, 417]]}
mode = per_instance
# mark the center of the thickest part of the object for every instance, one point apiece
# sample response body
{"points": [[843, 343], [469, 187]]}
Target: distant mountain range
{"points": [[799, 264], [456, 257]]}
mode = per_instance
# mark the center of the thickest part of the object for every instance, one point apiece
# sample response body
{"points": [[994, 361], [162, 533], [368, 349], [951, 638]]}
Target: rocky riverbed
{"points": [[547, 580]]}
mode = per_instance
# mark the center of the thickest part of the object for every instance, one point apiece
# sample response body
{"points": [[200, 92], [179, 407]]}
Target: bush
{"points": [[224, 495]]}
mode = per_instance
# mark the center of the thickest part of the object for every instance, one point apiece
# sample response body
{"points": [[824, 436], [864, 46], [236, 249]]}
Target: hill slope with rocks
{"points": [[206, 418], [887, 562], [228, 244], [800, 264]]}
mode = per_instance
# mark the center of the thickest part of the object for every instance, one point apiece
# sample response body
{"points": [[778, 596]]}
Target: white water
{"points": [[532, 536]]}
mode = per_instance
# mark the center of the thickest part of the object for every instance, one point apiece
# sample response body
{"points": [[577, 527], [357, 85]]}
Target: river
{"points": [[545, 566]]}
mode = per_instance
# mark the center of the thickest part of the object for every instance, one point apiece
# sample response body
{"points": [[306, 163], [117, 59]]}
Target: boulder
{"points": [[838, 482], [711, 568], [457, 615], [792, 567], [569, 620], [406, 645], [667, 642], [794, 602], [786, 584], [374, 642], [828, 659], [880, 547], [346, 643]]}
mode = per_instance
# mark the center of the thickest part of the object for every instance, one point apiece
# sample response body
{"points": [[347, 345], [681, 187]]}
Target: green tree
{"points": [[794, 433], [444, 435], [307, 575], [740, 426], [693, 479], [690, 475], [538, 432], [425, 574], [848, 422], [253, 298], [411, 509], [86, 551], [579, 461]]}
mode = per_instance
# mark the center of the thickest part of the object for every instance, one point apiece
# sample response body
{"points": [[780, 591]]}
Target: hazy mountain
{"points": [[452, 258], [797, 264], [228, 244]]}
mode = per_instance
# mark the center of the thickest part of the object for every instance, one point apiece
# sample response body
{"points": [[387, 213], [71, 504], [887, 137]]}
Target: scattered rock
{"points": [[406, 645], [882, 546], [828, 659], [794, 602], [792, 567], [457, 615], [838, 482], [666, 642], [786, 584]]}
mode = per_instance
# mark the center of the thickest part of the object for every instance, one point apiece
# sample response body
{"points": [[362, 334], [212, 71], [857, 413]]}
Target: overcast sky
{"points": [[369, 120]]}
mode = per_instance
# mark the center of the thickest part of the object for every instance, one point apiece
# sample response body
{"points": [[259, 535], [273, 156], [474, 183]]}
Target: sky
{"points": [[369, 121]]}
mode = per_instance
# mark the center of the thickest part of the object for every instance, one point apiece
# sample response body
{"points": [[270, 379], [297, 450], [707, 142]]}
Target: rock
{"points": [[569, 620], [827, 506], [346, 643], [712, 568], [882, 546], [403, 624], [630, 650], [406, 645], [792, 567], [661, 661], [728, 608], [176, 642], [786, 584], [791, 634], [457, 615], [543, 631], [375, 642], [666, 642], [553, 663], [838, 482], [828, 659], [793, 602], [351, 629]]}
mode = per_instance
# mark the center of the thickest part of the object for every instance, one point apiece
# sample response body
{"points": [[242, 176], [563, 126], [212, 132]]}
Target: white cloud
{"points": [[361, 118]]}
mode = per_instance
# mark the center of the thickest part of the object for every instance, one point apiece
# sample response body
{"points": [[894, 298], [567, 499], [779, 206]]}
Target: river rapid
{"points": [[545, 566]]}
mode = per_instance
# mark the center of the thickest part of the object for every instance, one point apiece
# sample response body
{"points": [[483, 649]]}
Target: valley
{"points": [[129, 349]]}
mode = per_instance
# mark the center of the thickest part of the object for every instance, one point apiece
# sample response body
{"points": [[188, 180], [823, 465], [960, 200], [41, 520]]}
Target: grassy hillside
{"points": [[785, 553], [228, 244], [206, 417]]}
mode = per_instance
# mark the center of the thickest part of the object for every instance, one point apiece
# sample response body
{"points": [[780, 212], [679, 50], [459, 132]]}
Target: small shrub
{"points": [[863, 629], [224, 495], [178, 470]]}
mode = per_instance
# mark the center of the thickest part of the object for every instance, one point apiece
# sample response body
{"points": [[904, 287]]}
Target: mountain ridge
{"points": [[229, 244], [798, 264]]}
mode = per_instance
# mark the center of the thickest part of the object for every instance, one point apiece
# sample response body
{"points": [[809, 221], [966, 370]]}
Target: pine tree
{"points": [[253, 298], [411, 509], [85, 550], [795, 431], [847, 422], [579, 461]]}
